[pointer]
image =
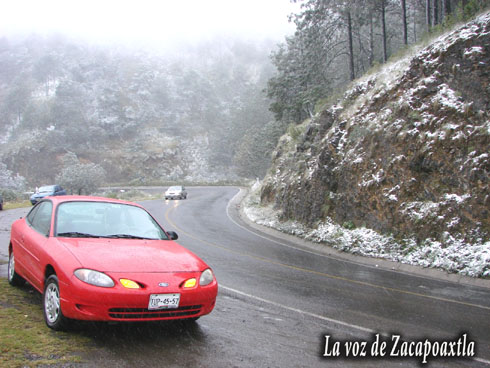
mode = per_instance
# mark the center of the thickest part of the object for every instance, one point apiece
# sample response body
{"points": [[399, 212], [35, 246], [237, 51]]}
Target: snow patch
{"points": [[455, 255]]}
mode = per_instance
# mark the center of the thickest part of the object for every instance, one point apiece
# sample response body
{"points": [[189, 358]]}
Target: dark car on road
{"points": [[45, 191], [1, 202]]}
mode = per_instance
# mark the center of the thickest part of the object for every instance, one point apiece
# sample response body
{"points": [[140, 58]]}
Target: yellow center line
{"points": [[318, 273]]}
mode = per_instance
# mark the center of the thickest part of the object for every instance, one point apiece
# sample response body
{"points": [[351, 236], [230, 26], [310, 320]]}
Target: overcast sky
{"points": [[161, 22]]}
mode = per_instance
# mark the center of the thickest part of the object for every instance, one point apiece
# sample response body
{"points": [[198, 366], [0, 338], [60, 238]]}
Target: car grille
{"points": [[143, 313]]}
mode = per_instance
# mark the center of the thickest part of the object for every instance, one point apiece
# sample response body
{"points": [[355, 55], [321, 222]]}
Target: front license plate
{"points": [[164, 301]]}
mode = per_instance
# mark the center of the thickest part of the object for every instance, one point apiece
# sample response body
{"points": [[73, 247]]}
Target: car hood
{"points": [[134, 256], [41, 195]]}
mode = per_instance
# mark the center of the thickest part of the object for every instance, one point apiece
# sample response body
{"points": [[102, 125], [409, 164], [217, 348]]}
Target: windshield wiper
{"points": [[76, 234], [127, 236]]}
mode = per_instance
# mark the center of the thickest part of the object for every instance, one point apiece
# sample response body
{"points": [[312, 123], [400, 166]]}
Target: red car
{"points": [[101, 259]]}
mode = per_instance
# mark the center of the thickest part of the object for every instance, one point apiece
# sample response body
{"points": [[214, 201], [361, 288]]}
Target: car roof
{"points": [[79, 198]]}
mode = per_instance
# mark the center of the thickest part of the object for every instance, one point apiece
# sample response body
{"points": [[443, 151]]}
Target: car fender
{"points": [[69, 264]]}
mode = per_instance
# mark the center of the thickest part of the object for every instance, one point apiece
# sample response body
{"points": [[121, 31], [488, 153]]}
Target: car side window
{"points": [[41, 218], [32, 213]]}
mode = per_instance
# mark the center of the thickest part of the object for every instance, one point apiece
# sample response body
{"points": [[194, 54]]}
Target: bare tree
{"points": [[383, 23], [371, 36], [435, 13], [404, 20], [428, 15], [80, 177], [446, 8], [351, 49]]}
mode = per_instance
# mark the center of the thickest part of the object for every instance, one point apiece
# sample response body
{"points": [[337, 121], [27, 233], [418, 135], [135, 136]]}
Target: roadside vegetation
{"points": [[25, 341], [16, 204]]}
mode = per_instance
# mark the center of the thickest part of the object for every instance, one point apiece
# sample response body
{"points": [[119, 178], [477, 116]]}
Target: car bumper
{"points": [[85, 302]]}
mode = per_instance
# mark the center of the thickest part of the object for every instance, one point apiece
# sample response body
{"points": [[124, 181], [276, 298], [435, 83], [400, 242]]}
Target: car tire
{"points": [[13, 278], [53, 316]]}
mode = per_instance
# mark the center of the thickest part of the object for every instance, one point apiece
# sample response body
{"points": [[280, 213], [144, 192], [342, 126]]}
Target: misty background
{"points": [[152, 92], [147, 91]]}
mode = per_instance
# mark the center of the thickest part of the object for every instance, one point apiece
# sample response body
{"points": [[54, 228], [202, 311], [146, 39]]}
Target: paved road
{"points": [[278, 301]]}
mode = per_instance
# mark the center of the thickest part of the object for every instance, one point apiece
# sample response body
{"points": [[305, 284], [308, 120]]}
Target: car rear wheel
{"points": [[52, 305], [13, 278]]}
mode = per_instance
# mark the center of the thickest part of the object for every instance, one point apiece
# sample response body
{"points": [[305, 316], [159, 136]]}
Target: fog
{"points": [[159, 24], [192, 106]]}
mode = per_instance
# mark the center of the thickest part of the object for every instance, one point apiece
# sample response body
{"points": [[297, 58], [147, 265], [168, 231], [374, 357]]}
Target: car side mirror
{"points": [[173, 235]]}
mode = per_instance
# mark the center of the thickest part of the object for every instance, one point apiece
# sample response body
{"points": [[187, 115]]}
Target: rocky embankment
{"points": [[405, 153]]}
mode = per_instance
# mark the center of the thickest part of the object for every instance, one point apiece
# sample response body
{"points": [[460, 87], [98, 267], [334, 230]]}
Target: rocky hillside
{"points": [[404, 153]]}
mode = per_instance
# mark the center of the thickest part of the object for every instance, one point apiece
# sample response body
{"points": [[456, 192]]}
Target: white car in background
{"points": [[176, 192]]}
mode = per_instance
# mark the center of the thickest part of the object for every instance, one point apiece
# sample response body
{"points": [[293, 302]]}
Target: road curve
{"points": [[277, 302], [346, 299]]}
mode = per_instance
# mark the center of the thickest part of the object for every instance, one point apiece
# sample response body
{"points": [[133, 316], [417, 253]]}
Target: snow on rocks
{"points": [[454, 256]]}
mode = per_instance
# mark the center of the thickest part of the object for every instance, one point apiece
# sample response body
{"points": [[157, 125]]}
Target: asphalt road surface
{"points": [[283, 305]]}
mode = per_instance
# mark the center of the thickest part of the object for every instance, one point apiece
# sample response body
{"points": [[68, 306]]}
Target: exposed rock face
{"points": [[406, 152]]}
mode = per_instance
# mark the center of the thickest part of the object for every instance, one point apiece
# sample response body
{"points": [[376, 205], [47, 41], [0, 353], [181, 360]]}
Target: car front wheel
{"points": [[52, 305], [13, 278]]}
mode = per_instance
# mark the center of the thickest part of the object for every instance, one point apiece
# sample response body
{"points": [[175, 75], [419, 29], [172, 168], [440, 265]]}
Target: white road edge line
{"points": [[487, 362], [318, 254], [278, 305], [333, 257], [317, 316], [264, 237]]}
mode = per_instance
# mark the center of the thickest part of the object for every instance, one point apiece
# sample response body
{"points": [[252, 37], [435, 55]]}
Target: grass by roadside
{"points": [[131, 195], [25, 341], [17, 204]]}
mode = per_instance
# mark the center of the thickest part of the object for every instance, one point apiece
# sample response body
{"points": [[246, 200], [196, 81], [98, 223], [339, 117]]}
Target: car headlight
{"points": [[95, 278], [206, 278]]}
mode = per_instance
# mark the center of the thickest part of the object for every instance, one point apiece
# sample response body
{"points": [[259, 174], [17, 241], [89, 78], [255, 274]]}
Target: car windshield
{"points": [[46, 189], [174, 189], [106, 220]]}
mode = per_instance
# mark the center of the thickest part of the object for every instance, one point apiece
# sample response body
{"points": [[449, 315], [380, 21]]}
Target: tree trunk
{"points": [[351, 48], [371, 39], [435, 13], [415, 24], [383, 22], [446, 8], [428, 15], [404, 19]]}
